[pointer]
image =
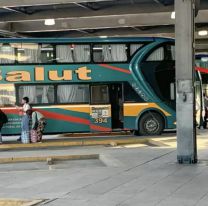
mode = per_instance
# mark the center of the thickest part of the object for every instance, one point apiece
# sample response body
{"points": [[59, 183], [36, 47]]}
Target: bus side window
{"points": [[64, 53], [46, 55], [99, 94], [170, 52], [73, 93], [110, 53], [157, 55], [69, 53], [173, 52], [7, 95], [38, 94], [134, 48], [7, 54], [130, 95], [28, 53]]}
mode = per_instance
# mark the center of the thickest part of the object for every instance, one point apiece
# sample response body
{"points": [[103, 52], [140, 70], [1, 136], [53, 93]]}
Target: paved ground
{"points": [[144, 175]]}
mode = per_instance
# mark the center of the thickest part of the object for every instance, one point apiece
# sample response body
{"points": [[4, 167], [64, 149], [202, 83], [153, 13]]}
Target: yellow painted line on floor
{"points": [[46, 158], [18, 202], [85, 142], [130, 146], [94, 135], [117, 141], [40, 145]]}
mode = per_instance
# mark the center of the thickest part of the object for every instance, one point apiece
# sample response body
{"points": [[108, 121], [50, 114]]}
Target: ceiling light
{"points": [[49, 22], [173, 15], [203, 33]]}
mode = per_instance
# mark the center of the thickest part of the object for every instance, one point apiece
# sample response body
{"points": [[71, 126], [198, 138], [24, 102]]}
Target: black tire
{"points": [[151, 123]]}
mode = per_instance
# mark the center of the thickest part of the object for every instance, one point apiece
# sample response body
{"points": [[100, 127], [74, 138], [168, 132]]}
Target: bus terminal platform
{"points": [[74, 139], [140, 173]]}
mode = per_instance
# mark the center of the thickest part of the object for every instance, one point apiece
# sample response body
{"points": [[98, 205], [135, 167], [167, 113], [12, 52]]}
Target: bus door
{"points": [[100, 108], [116, 101]]}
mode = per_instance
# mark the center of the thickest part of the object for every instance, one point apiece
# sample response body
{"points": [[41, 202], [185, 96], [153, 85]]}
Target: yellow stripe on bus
{"points": [[78, 109], [133, 109], [75, 108]]}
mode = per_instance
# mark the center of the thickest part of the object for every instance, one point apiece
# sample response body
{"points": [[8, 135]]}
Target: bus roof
{"points": [[84, 40]]}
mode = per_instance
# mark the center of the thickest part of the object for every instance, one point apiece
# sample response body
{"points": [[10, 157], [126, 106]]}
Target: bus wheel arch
{"points": [[150, 122]]}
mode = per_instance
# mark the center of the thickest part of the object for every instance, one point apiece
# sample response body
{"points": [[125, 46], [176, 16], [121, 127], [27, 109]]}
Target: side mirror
{"points": [[172, 91]]}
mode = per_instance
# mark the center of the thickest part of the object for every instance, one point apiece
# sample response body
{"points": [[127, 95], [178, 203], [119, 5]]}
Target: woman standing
{"points": [[25, 134], [25, 119], [26, 106]]}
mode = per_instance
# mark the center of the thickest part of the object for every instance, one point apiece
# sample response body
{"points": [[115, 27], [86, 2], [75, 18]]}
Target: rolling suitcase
{"points": [[33, 136]]}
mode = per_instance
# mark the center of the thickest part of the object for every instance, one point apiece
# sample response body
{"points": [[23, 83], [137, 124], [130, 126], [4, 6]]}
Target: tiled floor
{"points": [[140, 175]]}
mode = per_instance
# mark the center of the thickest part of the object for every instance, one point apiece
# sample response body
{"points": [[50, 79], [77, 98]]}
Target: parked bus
{"points": [[91, 84]]}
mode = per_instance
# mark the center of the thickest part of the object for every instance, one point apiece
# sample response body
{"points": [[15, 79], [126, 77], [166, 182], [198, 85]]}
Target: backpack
{"points": [[36, 120], [3, 117]]}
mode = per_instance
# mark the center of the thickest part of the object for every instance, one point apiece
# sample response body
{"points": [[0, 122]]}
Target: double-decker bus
{"points": [[91, 84]]}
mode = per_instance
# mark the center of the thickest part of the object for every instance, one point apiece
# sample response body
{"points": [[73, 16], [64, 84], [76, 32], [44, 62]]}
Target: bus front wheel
{"points": [[151, 123]]}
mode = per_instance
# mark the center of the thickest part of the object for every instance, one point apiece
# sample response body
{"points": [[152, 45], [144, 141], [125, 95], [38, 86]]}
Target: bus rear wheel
{"points": [[151, 123]]}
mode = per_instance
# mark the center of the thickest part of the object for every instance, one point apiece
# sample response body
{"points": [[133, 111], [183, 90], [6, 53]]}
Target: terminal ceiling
{"points": [[83, 18]]}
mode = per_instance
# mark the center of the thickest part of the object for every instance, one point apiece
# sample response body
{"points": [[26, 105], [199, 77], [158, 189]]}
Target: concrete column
{"points": [[185, 102]]}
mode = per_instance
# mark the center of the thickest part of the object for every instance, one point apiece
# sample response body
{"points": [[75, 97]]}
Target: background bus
{"points": [[202, 64], [91, 84]]}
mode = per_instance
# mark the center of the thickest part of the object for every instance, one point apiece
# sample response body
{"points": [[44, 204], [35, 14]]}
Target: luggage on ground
{"points": [[33, 136]]}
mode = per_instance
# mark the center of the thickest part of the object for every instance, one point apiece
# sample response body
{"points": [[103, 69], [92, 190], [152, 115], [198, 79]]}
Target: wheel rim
{"points": [[151, 125]]}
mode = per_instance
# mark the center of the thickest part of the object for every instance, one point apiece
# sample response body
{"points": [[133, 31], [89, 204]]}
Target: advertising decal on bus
{"points": [[82, 73]]}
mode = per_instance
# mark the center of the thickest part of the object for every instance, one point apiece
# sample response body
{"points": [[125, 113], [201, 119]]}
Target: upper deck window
{"points": [[73, 53], [134, 48], [34, 53], [46, 53], [7, 54], [28, 53], [157, 55], [171, 51], [64, 53], [110, 53]]}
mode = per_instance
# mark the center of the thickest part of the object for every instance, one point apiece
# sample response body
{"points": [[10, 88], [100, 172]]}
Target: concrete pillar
{"points": [[185, 102]]}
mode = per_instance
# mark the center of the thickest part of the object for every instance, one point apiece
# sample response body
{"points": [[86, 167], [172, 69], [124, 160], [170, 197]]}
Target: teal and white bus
{"points": [[91, 84]]}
